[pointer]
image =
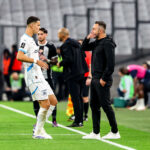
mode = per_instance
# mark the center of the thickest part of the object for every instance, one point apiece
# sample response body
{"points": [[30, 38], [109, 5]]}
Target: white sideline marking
{"points": [[74, 130], [14, 134]]}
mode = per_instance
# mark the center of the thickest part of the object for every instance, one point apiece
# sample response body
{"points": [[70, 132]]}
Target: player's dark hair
{"points": [[101, 23], [43, 30], [32, 19]]}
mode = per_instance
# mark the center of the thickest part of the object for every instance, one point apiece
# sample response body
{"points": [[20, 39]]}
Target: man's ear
{"points": [[32, 25], [100, 30]]}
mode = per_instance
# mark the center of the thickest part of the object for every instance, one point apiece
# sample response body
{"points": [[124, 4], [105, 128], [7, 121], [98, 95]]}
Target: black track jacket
{"points": [[103, 57], [73, 60]]}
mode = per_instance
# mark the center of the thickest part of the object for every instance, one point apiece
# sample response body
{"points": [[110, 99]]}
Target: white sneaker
{"points": [[140, 108], [111, 135], [92, 136], [141, 105], [133, 107], [41, 135], [43, 132]]}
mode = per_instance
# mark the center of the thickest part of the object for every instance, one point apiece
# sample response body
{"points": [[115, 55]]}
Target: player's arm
{"points": [[52, 55], [22, 57]]}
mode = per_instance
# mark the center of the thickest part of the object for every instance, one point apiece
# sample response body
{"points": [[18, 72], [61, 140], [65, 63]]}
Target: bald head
{"points": [[63, 34], [15, 76]]}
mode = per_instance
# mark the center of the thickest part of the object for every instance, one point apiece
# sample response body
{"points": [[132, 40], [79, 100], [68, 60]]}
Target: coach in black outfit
{"points": [[75, 66], [102, 66]]}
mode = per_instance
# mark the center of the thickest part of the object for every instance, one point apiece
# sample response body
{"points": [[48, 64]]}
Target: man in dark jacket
{"points": [[75, 66], [103, 62]]}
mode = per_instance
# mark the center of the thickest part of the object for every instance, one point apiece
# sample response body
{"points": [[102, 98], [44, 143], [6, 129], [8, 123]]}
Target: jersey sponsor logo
{"points": [[36, 51], [23, 45]]}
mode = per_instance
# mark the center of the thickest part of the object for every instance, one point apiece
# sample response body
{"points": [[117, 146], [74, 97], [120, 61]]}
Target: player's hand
{"points": [[15, 91], [42, 64], [91, 36], [8, 89], [43, 58], [102, 82], [88, 81]]}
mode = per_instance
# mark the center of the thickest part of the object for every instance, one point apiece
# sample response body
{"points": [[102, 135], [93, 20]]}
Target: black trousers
{"points": [[58, 79], [100, 97], [75, 87]]}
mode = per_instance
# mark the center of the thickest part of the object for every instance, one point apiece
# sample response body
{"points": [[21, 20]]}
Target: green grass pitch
{"points": [[16, 130]]}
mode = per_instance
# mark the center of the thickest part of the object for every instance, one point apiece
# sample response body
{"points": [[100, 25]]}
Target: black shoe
{"points": [[74, 124]]}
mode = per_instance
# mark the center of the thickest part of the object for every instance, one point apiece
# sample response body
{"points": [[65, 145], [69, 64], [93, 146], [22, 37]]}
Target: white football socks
{"points": [[49, 112], [41, 118]]}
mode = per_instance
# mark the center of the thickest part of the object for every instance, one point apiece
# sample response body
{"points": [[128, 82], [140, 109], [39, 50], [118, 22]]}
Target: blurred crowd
{"points": [[134, 87]]}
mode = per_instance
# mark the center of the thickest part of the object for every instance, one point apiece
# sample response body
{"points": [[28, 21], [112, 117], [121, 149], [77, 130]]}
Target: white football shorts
{"points": [[40, 91]]}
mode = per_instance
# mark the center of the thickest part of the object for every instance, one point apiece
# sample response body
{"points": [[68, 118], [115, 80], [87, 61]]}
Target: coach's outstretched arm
{"points": [[22, 57]]}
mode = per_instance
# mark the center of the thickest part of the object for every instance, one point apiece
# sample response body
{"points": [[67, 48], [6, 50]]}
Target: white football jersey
{"points": [[33, 72]]}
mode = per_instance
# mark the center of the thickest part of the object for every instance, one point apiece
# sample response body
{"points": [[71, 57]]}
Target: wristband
{"points": [[35, 61], [89, 77]]}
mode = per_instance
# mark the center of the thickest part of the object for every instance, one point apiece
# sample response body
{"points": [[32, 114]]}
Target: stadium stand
{"points": [[51, 14]]}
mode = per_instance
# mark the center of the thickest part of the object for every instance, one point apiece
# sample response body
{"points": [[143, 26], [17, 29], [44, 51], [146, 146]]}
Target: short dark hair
{"points": [[146, 63], [32, 19], [6, 51], [124, 70], [101, 23], [14, 47], [43, 30]]}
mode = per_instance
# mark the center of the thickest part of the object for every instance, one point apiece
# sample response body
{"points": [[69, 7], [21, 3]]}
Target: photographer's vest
{"points": [[54, 68]]}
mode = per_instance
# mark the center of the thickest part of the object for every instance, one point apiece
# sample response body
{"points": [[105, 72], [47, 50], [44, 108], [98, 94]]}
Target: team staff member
{"points": [[47, 52], [75, 66], [103, 62]]}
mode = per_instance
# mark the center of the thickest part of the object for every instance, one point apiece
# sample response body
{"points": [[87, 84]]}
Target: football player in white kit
{"points": [[28, 53]]}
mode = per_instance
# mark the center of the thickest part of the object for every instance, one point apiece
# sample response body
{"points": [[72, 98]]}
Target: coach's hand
{"points": [[91, 36], [42, 64], [102, 82]]}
